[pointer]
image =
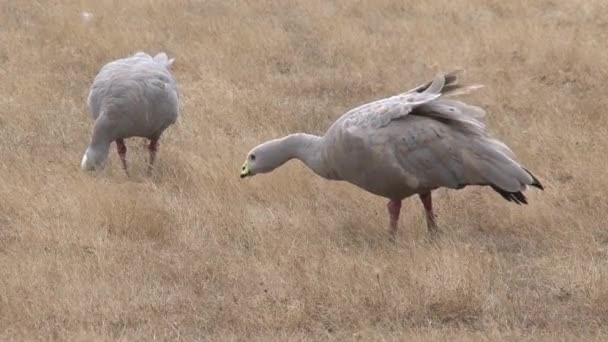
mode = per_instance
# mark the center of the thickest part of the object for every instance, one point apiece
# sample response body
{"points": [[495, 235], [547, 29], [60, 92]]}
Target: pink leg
{"points": [[122, 153], [394, 208], [153, 148], [428, 208]]}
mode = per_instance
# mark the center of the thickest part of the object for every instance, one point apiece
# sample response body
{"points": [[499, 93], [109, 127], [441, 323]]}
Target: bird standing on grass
{"points": [[411, 143], [130, 97]]}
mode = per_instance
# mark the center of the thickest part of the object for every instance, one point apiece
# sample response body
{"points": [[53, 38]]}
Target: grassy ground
{"points": [[193, 252]]}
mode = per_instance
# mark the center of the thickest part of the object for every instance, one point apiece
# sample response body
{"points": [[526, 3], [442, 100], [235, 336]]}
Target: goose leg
{"points": [[428, 208], [394, 209], [121, 148], [153, 148]]}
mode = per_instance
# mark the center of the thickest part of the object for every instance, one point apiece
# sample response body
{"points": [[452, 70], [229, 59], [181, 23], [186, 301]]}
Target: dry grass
{"points": [[195, 253]]}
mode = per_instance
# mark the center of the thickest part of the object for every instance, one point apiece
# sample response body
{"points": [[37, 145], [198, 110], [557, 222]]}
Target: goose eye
{"points": [[252, 157]]}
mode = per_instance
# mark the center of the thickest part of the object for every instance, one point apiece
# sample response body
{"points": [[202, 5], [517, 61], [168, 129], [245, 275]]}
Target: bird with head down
{"points": [[411, 143], [134, 96]]}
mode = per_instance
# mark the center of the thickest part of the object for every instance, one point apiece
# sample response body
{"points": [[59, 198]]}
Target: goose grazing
{"points": [[130, 97], [411, 143]]}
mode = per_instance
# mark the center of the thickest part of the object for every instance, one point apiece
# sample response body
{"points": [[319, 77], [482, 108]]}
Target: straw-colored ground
{"points": [[196, 253]]}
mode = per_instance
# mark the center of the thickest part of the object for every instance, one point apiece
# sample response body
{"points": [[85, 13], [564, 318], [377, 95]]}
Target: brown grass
{"points": [[195, 253]]}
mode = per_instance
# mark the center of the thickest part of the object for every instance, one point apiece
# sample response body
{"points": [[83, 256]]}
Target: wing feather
{"points": [[426, 99]]}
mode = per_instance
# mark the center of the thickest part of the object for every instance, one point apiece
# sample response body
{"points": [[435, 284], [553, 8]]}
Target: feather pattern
{"points": [[427, 99]]}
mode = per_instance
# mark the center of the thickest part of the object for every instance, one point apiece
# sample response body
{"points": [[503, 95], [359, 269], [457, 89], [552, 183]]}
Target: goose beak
{"points": [[245, 170]]}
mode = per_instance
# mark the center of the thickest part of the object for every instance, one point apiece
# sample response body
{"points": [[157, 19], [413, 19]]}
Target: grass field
{"points": [[195, 253]]}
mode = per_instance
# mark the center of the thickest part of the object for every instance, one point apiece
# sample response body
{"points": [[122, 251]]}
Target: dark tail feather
{"points": [[536, 181], [517, 197]]}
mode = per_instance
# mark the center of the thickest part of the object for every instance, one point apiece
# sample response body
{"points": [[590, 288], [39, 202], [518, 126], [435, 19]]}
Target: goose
{"points": [[134, 96], [404, 145]]}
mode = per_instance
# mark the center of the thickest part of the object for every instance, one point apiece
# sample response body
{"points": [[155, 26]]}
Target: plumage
{"points": [[134, 96], [407, 144]]}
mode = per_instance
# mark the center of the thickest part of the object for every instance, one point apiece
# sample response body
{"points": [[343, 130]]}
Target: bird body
{"points": [[411, 143], [378, 163], [130, 97]]}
